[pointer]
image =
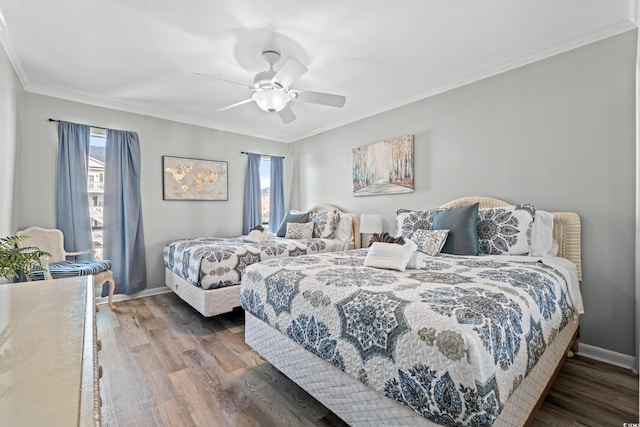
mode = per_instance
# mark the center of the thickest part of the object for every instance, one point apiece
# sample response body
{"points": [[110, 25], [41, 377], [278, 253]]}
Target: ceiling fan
{"points": [[272, 90]]}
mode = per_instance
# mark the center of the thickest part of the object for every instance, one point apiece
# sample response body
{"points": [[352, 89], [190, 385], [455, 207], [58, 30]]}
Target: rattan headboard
{"points": [[566, 227], [355, 223]]}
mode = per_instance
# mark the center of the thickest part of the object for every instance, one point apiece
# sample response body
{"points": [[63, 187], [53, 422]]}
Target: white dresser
{"points": [[49, 370]]}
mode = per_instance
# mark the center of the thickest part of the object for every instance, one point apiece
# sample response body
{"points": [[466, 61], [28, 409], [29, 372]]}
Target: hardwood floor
{"points": [[166, 365]]}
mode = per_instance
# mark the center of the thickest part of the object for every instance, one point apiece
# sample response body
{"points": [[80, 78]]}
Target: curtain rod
{"points": [[244, 152], [97, 127]]}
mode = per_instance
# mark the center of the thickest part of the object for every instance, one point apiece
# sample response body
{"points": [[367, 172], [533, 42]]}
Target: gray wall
{"points": [[11, 111], [558, 133], [163, 220], [11, 97]]}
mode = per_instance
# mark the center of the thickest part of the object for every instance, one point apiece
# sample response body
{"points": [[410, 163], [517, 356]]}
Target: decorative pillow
{"points": [[299, 231], [506, 230], [542, 241], [296, 217], [409, 221], [462, 223], [430, 241], [325, 224], [389, 256], [344, 231]]}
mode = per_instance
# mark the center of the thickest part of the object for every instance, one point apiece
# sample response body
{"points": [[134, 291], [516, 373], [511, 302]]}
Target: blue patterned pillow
{"points": [[325, 224], [409, 221], [299, 231], [296, 217], [506, 230], [430, 241], [462, 223]]}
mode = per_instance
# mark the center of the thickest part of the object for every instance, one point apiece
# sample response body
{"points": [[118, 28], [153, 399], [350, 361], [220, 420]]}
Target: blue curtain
{"points": [[276, 201], [72, 197], [252, 212], [123, 231]]}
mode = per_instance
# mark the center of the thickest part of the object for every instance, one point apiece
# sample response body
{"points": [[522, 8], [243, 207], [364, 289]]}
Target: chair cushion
{"points": [[60, 270]]}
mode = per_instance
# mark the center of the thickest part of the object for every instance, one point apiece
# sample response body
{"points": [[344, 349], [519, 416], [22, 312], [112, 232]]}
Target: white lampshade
{"points": [[271, 100], [370, 223]]}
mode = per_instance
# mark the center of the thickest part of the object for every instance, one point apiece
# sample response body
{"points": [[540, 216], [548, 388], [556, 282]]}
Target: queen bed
{"points": [[206, 272], [464, 340]]}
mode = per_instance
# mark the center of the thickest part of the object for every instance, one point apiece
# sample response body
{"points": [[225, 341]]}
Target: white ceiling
{"points": [[141, 55]]}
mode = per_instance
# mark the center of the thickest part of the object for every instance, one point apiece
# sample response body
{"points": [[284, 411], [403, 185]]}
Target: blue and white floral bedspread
{"points": [[451, 341], [215, 262]]}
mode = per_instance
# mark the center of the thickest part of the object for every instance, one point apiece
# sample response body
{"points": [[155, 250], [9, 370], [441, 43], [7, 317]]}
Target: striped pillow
{"points": [[60, 270]]}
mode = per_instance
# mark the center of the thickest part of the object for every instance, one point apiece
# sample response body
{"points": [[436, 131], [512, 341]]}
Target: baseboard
{"points": [[146, 293], [608, 356]]}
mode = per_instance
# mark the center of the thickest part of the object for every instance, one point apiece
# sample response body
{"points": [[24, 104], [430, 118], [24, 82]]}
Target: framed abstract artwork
{"points": [[194, 179], [385, 167]]}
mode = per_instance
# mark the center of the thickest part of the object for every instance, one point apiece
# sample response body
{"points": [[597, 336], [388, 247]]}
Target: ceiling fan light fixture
{"points": [[271, 100]]}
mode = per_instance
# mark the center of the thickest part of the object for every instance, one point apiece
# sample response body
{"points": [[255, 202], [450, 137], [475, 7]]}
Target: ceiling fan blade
{"points": [[318, 98], [290, 71], [286, 114], [222, 80], [228, 107]]}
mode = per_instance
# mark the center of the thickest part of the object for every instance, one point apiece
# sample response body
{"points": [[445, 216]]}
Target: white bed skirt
{"points": [[209, 302], [359, 405]]}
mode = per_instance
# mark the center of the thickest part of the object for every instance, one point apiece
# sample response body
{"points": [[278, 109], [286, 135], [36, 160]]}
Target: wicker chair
{"points": [[57, 266]]}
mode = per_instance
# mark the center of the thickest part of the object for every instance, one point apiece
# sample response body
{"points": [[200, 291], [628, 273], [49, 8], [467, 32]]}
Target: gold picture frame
{"points": [[186, 178]]}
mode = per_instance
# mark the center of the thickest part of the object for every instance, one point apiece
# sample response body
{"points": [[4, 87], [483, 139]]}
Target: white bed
{"points": [[223, 299], [360, 404]]}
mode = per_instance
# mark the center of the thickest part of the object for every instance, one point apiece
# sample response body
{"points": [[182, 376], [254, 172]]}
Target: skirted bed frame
{"points": [[212, 302], [360, 405]]}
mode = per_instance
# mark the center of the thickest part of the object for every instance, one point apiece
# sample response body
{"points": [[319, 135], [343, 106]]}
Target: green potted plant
{"points": [[14, 259]]}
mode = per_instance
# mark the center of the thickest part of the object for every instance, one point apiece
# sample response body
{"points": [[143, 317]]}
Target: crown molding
{"points": [[156, 113], [498, 68], [453, 83], [13, 58]]}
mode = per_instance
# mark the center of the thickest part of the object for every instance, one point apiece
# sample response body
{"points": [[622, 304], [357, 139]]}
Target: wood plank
{"points": [[203, 410], [165, 364]]}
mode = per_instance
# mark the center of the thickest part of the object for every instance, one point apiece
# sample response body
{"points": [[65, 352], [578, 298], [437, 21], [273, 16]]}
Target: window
{"points": [[95, 186], [265, 184]]}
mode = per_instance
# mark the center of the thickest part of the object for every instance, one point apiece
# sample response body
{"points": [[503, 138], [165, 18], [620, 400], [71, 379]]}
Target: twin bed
{"points": [[461, 340], [466, 340], [206, 272]]}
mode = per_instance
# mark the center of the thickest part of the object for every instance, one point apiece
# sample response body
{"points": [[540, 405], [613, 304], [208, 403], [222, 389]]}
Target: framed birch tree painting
{"points": [[385, 167]]}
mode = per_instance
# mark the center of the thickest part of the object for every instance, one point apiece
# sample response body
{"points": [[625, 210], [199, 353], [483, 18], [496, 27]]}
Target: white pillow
{"points": [[542, 241], [388, 255], [344, 232], [299, 230]]}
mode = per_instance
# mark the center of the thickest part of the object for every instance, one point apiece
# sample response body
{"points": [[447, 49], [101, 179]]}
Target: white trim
{"points": [[484, 73], [437, 88], [13, 57], [634, 11], [637, 240], [122, 297], [607, 356]]}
